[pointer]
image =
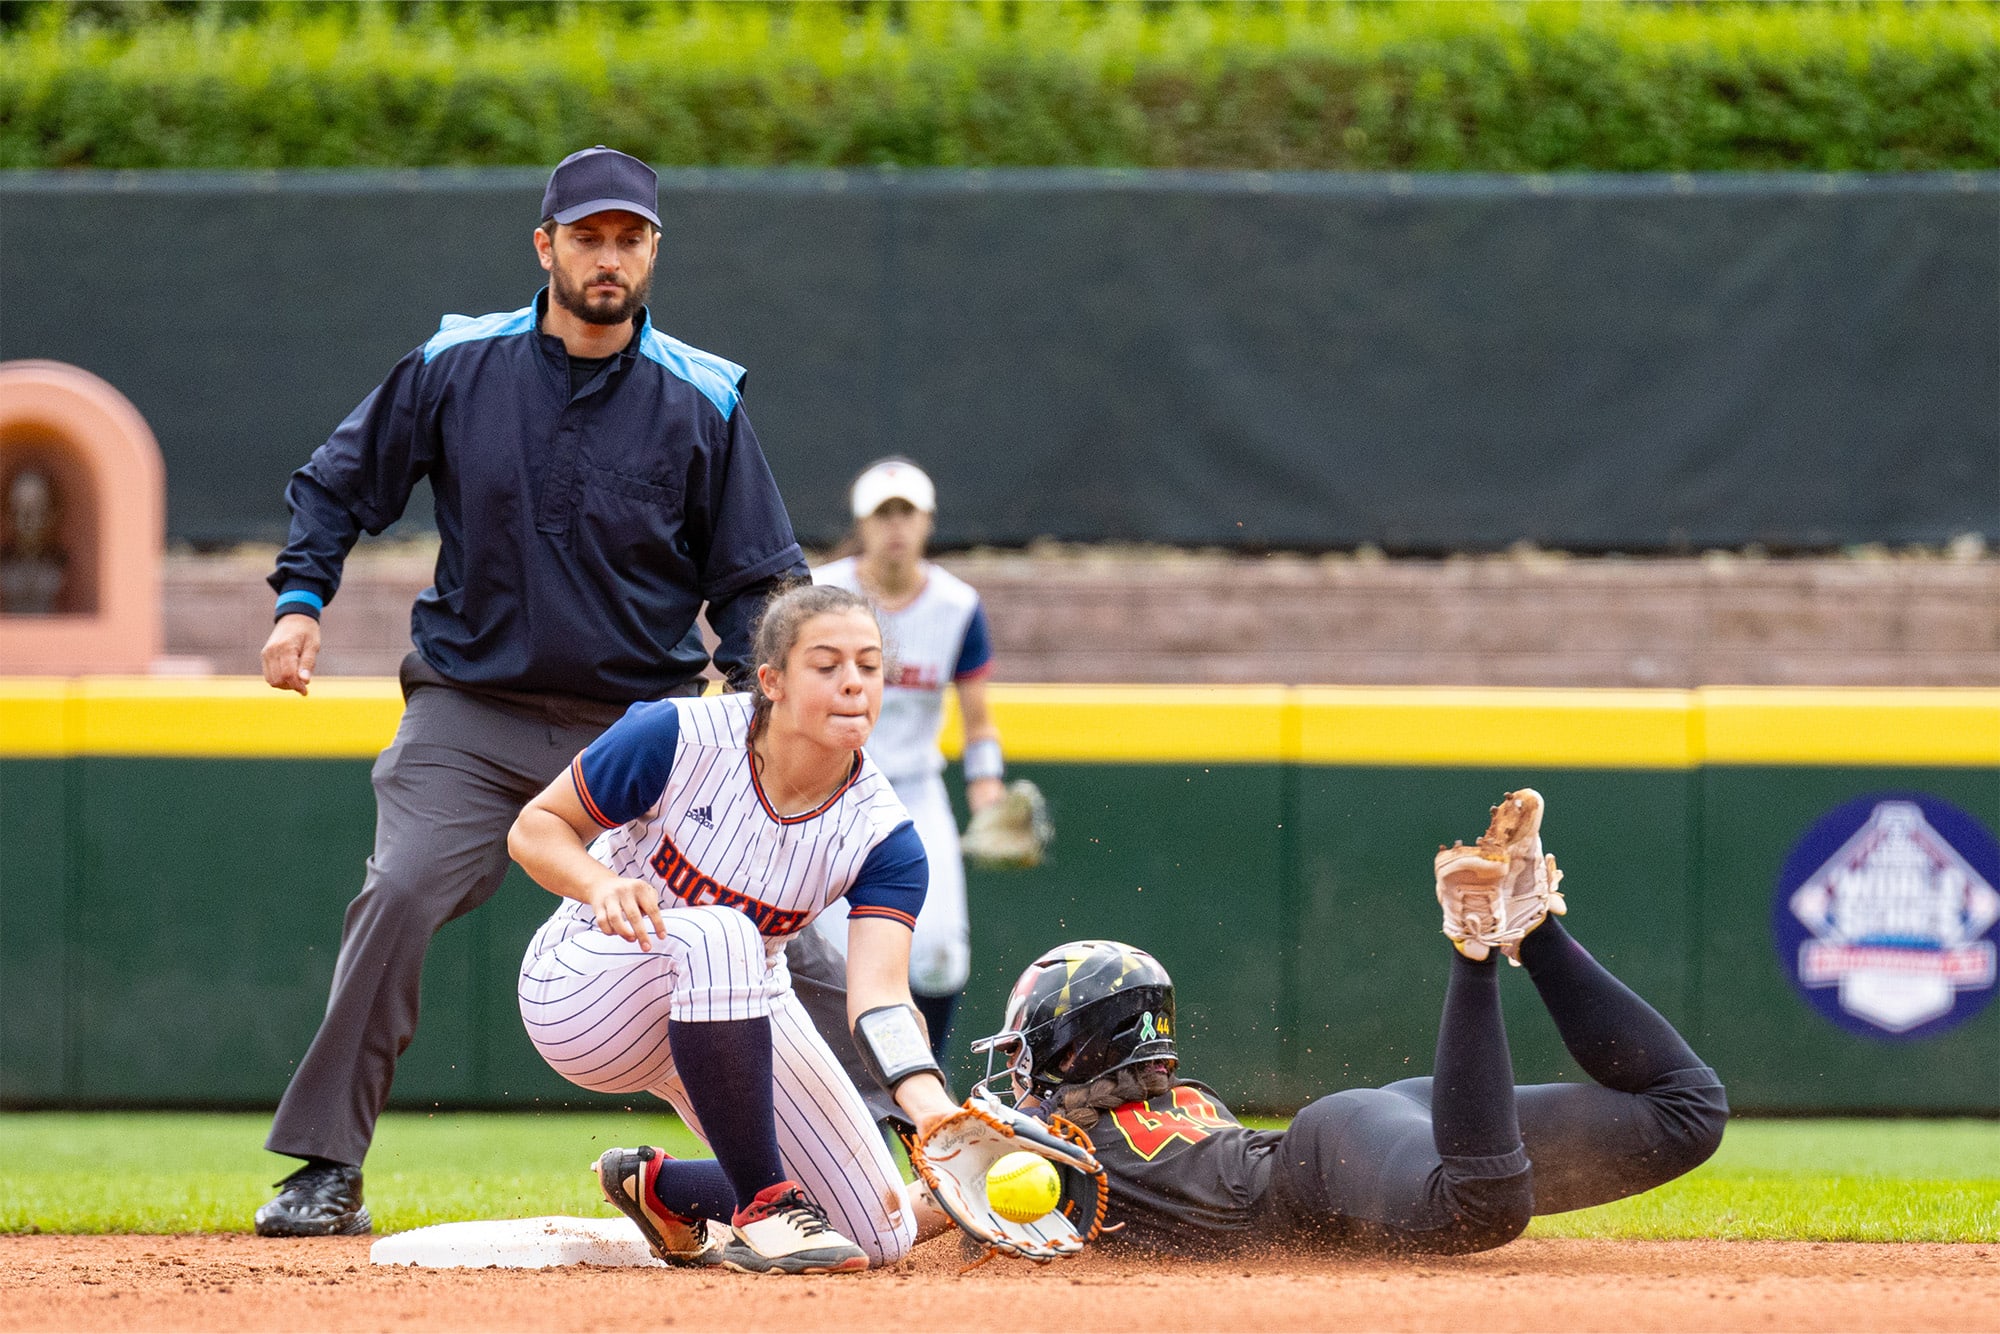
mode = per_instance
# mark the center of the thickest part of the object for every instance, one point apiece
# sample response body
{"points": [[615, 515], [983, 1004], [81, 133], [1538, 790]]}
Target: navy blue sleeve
{"points": [[620, 775], [893, 880], [742, 538], [734, 620], [975, 655], [358, 481]]}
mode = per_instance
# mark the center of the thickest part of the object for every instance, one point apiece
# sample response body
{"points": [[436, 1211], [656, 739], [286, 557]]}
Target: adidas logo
{"points": [[703, 816]]}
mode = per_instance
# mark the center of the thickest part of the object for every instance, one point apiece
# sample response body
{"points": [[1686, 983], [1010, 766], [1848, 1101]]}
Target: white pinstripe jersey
{"points": [[939, 638], [673, 786]]}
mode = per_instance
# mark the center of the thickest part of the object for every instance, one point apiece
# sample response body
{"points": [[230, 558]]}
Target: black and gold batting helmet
{"points": [[1082, 1011]]}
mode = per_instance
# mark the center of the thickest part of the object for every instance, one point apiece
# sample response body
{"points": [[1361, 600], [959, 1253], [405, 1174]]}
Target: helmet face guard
{"points": [[1080, 1012]]}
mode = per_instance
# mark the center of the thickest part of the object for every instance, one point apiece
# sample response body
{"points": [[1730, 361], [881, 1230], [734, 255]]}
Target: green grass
{"points": [[1836, 1180], [176, 1172]]}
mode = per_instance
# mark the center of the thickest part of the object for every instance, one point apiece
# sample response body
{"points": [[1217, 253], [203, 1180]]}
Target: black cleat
{"points": [[318, 1200]]}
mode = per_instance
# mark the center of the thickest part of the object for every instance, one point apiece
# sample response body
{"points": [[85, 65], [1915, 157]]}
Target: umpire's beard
{"points": [[605, 310]]}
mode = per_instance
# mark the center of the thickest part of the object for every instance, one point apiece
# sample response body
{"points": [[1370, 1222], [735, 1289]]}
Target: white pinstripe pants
{"points": [[596, 1008]]}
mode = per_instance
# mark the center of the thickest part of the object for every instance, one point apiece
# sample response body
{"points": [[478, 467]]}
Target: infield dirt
{"points": [[246, 1283]]}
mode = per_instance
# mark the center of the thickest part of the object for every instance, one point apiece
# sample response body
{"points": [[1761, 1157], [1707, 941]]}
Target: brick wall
{"points": [[1528, 619]]}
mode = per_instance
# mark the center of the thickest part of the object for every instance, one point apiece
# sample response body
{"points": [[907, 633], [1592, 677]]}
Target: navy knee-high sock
{"points": [[726, 1068], [1619, 1040], [1472, 1086], [695, 1188]]}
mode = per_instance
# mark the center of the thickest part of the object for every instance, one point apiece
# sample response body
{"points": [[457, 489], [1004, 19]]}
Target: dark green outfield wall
{"points": [[1294, 907], [167, 926]]}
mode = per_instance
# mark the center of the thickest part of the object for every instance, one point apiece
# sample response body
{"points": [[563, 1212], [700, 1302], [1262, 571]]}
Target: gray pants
{"points": [[446, 791]]}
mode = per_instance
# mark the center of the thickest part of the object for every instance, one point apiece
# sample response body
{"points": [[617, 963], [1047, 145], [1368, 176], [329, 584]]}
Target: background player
{"points": [[1454, 1162], [596, 481], [937, 635], [689, 841]]}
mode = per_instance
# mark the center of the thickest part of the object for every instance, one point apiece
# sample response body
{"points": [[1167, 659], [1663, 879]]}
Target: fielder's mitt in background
{"points": [[953, 1159], [1013, 832]]}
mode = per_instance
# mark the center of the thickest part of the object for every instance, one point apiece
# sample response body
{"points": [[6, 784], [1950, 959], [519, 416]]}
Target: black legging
{"points": [[1459, 1161]]}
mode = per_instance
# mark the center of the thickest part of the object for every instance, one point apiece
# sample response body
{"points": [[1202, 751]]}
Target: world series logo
{"points": [[1885, 916]]}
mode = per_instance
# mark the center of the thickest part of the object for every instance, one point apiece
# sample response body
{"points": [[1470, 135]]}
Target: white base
{"points": [[518, 1243]]}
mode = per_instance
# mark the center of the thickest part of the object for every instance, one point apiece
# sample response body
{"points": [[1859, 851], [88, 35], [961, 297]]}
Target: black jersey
{"points": [[1186, 1176]]}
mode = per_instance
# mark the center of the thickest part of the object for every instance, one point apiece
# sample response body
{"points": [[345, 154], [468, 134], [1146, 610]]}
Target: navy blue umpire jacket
{"points": [[578, 535]]}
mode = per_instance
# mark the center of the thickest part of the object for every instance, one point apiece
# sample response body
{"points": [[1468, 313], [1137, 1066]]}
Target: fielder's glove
{"points": [[953, 1158], [1013, 832]]}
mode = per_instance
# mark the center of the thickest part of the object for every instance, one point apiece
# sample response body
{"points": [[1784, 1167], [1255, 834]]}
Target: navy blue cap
{"points": [[598, 179]]}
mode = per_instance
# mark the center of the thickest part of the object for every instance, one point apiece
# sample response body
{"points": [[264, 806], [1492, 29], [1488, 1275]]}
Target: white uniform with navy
{"points": [[938, 639], [673, 785]]}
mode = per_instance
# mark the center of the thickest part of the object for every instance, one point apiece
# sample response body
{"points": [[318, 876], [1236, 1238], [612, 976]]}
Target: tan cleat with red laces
{"points": [[626, 1177]]}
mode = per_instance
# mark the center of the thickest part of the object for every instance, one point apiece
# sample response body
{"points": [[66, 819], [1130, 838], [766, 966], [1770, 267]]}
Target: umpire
{"points": [[596, 481]]}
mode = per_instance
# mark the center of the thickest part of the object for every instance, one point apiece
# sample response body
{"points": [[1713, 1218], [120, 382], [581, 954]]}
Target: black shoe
{"points": [[318, 1200]]}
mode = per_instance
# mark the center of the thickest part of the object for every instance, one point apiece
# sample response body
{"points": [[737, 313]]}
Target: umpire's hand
{"points": [[290, 652]]}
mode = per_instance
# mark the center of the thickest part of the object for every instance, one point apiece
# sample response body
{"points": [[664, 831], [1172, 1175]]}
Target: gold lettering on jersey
{"points": [[692, 886]]}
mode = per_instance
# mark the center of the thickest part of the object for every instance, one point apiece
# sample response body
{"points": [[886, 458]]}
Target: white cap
{"points": [[892, 479]]}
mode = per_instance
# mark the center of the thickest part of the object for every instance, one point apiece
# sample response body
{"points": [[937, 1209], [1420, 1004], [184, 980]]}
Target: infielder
{"points": [[690, 842], [1452, 1163], [595, 482], [938, 637]]}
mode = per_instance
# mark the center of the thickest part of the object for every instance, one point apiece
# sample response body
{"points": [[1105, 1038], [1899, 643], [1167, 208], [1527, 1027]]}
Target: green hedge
{"points": [[1428, 87]]}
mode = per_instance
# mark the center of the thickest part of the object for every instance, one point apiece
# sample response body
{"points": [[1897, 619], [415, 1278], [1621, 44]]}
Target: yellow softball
{"points": [[1022, 1187]]}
